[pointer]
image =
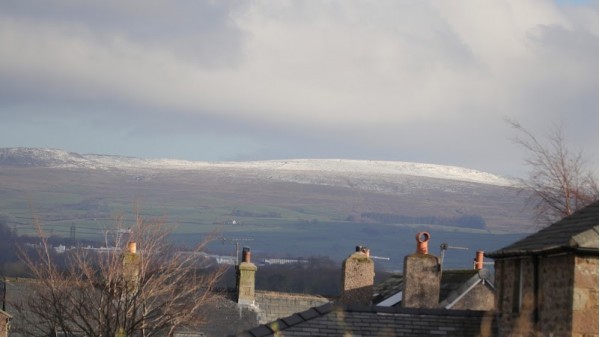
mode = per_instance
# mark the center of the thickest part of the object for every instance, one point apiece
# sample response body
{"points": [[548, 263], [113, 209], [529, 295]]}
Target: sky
{"points": [[420, 81]]}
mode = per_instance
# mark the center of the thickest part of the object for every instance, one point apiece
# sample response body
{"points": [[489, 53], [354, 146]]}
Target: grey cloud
{"points": [[426, 80], [199, 31]]}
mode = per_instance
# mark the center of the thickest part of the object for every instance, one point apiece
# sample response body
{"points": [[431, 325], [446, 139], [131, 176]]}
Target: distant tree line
{"points": [[466, 221], [12, 244], [9, 261], [249, 214]]}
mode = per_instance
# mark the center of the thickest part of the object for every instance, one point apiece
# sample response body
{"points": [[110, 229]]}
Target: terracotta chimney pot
{"points": [[246, 255], [478, 264], [422, 239]]}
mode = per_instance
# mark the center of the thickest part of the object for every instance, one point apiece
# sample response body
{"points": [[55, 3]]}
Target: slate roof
{"points": [[388, 288], [576, 233], [453, 285], [353, 320], [457, 283], [223, 316]]}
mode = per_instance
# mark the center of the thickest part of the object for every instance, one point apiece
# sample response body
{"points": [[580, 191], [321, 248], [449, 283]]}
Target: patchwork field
{"points": [[282, 213]]}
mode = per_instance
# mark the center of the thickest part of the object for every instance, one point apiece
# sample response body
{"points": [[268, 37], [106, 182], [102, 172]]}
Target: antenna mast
{"points": [[443, 248], [236, 241]]}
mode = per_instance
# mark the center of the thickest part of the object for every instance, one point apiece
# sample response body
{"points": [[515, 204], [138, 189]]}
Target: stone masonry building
{"points": [[547, 283]]}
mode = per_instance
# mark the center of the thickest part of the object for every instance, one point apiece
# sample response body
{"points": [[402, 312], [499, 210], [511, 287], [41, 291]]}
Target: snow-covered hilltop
{"points": [[289, 170]]}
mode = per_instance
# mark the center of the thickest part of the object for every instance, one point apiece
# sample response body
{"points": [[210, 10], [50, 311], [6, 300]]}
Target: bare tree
{"points": [[558, 180], [148, 292]]}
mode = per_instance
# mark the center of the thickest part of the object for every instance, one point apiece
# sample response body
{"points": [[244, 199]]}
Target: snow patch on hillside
{"points": [[296, 170]]}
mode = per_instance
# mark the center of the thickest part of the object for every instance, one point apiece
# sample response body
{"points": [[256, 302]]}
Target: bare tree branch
{"points": [[559, 181], [149, 292]]}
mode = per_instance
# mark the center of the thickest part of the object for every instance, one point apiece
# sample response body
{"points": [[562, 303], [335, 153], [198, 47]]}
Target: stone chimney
{"points": [[246, 273], [358, 278], [131, 266], [131, 247], [421, 277]]}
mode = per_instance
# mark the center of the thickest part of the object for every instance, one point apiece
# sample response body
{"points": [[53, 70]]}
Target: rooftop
{"points": [[354, 320], [577, 232], [453, 285]]}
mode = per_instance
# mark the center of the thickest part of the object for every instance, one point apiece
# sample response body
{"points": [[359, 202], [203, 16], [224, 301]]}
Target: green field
{"points": [[282, 219]]}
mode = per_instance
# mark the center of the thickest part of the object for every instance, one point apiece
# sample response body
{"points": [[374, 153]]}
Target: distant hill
{"points": [[308, 200], [308, 171]]}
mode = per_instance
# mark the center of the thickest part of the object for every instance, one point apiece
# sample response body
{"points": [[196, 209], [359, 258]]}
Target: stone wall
{"points": [[564, 302], [273, 305], [585, 297], [515, 320], [3, 327], [555, 300], [4, 323]]}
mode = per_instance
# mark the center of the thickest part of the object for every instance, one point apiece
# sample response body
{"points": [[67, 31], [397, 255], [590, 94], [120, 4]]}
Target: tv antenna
{"points": [[443, 248], [367, 250], [379, 257], [236, 241], [72, 234]]}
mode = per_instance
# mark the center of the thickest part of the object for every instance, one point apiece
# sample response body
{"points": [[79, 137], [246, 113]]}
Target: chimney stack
{"points": [[131, 247], [421, 277], [246, 274], [358, 277], [131, 266]]}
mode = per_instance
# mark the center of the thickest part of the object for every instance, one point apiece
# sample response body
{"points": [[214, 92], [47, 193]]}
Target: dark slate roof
{"points": [[454, 283], [352, 320], [388, 288], [457, 283], [224, 317], [17, 292], [577, 232]]}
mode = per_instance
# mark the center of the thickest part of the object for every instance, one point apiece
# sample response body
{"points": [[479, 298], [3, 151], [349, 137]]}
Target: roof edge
{"points": [[547, 251]]}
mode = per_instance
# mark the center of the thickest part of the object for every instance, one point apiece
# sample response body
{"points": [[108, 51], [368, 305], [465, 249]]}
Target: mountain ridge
{"points": [[58, 158]]}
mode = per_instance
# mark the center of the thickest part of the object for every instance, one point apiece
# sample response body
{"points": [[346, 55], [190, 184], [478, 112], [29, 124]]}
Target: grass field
{"points": [[282, 219]]}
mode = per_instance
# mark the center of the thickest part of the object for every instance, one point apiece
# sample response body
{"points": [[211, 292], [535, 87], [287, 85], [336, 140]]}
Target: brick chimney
{"points": [[421, 277], [358, 278], [246, 273]]}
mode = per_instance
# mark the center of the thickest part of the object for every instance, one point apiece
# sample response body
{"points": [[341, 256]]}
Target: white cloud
{"points": [[340, 66]]}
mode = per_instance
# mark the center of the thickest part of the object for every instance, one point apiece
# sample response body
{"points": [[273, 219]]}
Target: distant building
{"points": [[547, 283]]}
